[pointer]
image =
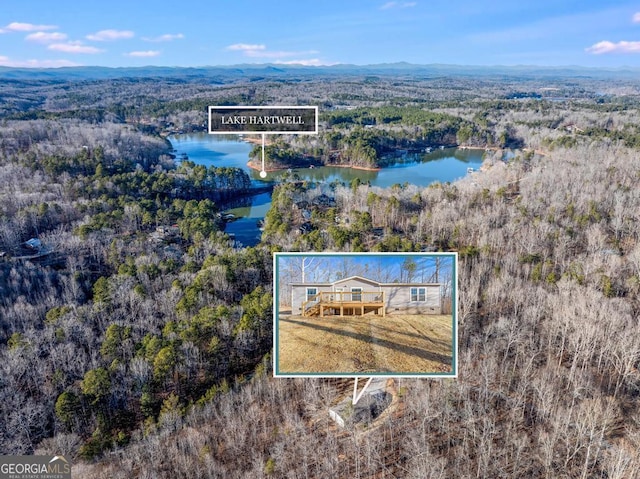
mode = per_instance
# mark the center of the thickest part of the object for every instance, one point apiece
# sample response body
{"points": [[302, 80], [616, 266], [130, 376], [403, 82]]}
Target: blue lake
{"points": [[419, 169]]}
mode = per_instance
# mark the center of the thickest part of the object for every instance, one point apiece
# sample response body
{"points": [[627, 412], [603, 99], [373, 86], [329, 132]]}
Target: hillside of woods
{"points": [[368, 137], [140, 344]]}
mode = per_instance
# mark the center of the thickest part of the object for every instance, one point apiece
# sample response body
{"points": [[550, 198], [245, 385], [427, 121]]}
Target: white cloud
{"points": [[25, 27], [73, 47], [7, 62], [610, 47], [311, 62], [144, 54], [276, 54], [246, 47], [167, 37], [636, 17], [261, 51], [389, 5], [110, 35], [43, 37]]}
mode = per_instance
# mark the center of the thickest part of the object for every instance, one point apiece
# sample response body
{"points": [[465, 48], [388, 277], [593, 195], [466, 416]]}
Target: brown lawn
{"points": [[409, 344]]}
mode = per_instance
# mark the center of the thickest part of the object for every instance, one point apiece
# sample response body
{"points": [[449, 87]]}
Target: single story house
{"points": [[357, 295]]}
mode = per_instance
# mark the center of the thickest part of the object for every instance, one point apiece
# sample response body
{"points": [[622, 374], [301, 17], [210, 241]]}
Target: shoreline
{"points": [[256, 141], [362, 168], [258, 168], [483, 148], [255, 167], [497, 148]]}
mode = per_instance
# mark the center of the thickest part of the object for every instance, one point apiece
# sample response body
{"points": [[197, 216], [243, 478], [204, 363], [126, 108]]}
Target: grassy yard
{"points": [[354, 344]]}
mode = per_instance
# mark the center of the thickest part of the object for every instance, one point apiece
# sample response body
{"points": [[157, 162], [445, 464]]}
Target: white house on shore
{"points": [[357, 295]]}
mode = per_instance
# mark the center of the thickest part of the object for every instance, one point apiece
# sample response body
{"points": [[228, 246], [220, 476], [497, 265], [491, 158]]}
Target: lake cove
{"points": [[420, 169]]}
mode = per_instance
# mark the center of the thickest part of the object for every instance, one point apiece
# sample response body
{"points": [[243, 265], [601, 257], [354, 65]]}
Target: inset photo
{"points": [[365, 314]]}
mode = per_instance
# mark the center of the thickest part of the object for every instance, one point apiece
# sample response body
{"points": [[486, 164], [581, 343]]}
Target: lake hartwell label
{"points": [[34, 467], [263, 119]]}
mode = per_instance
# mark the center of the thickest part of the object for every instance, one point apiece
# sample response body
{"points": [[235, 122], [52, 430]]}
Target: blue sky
{"points": [[380, 267], [41, 33]]}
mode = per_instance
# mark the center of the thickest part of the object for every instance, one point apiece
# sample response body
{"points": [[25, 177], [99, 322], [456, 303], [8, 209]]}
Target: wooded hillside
{"points": [[139, 345]]}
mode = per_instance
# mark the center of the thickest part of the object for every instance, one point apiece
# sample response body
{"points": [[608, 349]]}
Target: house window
{"points": [[311, 292], [419, 294], [356, 294]]}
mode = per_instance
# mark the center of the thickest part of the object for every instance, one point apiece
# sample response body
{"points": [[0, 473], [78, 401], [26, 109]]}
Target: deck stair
{"points": [[312, 310]]}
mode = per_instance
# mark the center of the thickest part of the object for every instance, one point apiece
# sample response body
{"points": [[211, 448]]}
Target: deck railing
{"points": [[351, 296], [307, 305], [333, 297]]}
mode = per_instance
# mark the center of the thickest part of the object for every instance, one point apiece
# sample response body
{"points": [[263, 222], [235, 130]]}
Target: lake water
{"points": [[419, 169]]}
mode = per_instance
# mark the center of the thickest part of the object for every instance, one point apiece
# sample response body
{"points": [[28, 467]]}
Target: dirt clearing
{"points": [[407, 344]]}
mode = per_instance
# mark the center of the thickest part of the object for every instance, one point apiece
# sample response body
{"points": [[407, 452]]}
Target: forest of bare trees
{"points": [[141, 346]]}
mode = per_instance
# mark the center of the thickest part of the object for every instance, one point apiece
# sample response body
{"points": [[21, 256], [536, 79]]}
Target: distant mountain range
{"points": [[263, 71]]}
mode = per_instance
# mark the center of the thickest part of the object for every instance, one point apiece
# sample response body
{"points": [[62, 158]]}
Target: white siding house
{"points": [[408, 298]]}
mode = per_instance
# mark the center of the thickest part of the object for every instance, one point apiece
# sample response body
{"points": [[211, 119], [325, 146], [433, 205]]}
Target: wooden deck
{"points": [[342, 303]]}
